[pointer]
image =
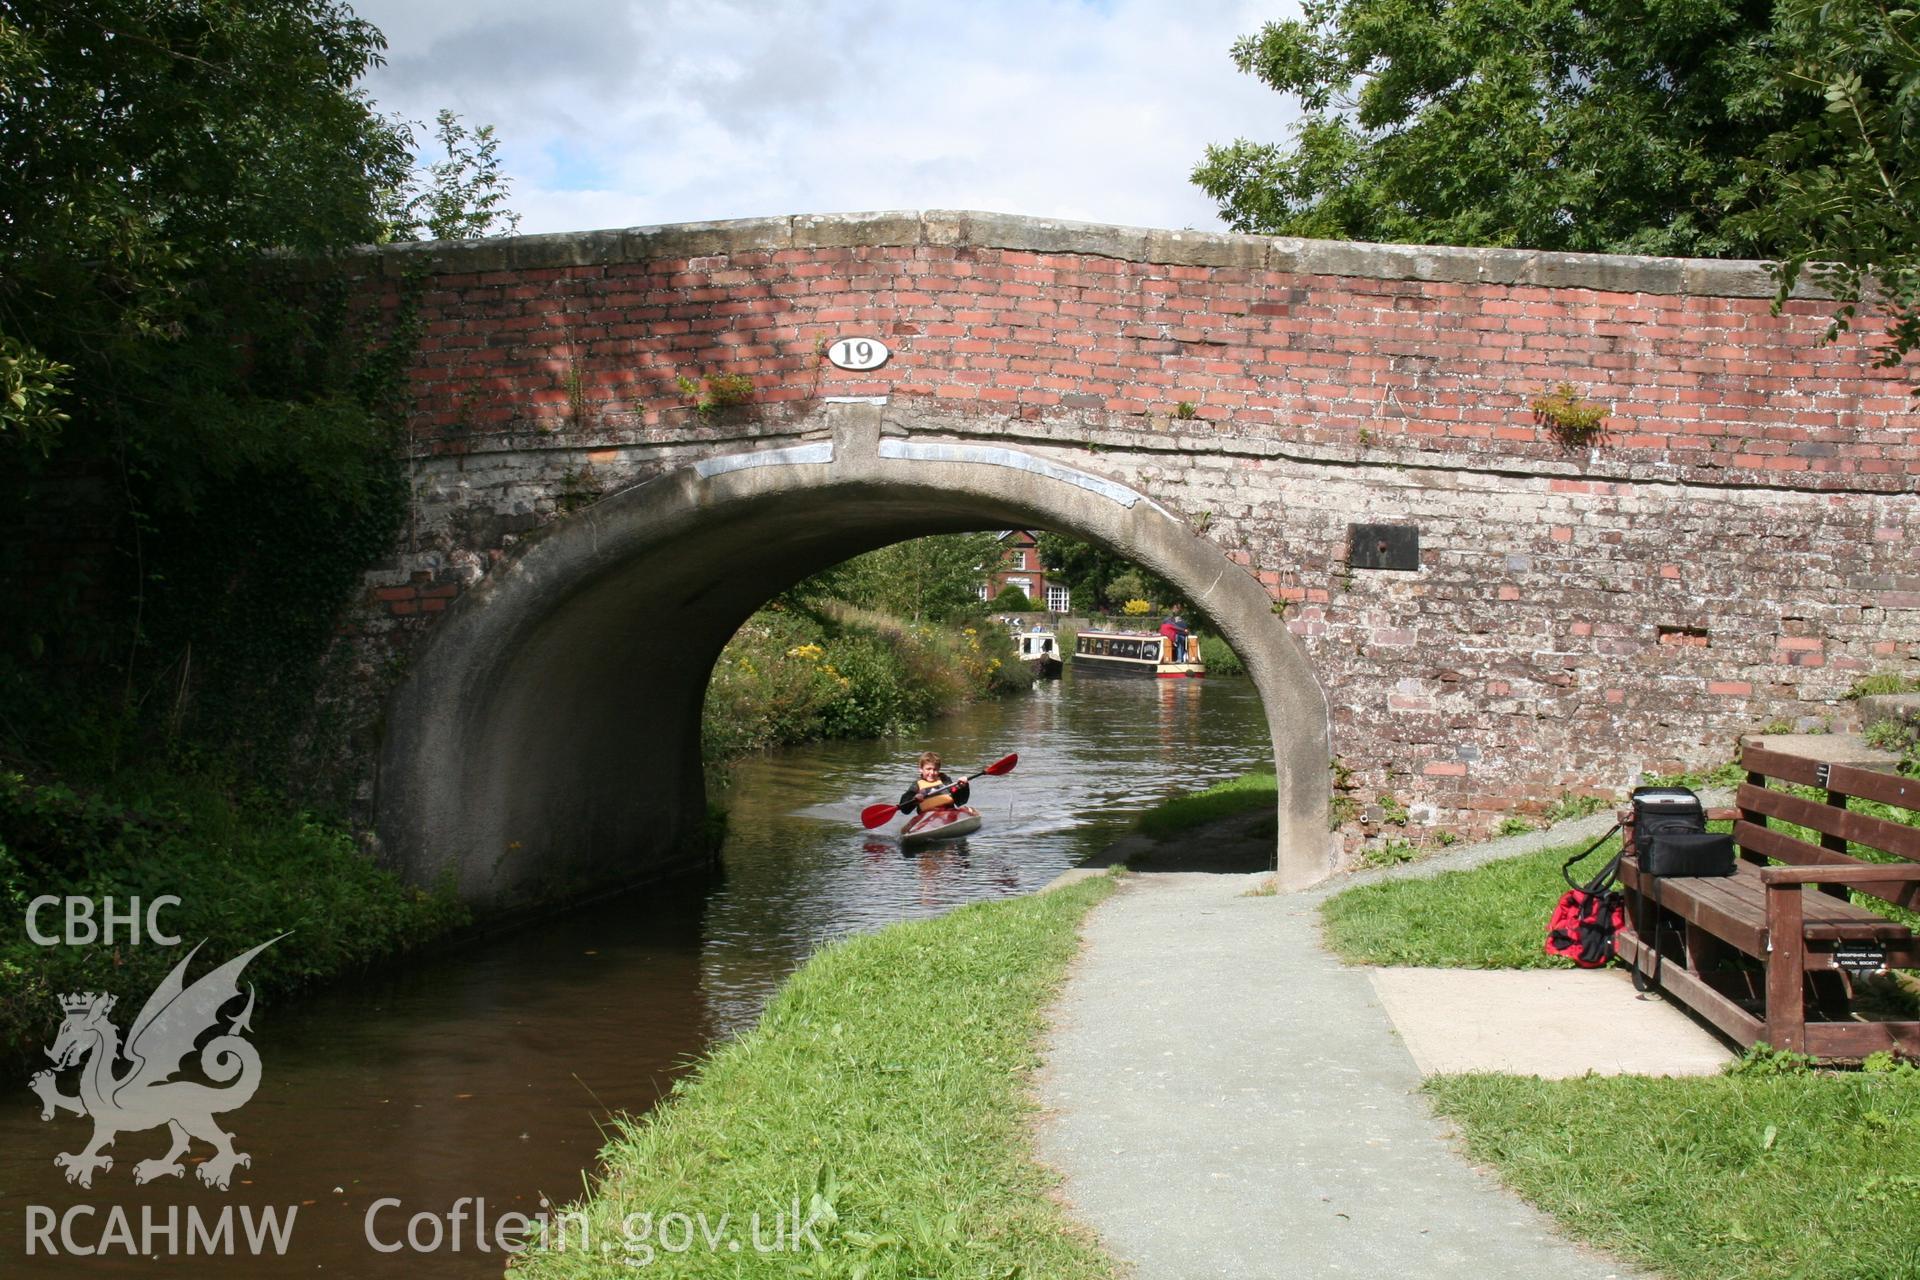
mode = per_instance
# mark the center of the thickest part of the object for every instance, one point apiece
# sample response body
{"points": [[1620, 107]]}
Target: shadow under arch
{"points": [[546, 740]]}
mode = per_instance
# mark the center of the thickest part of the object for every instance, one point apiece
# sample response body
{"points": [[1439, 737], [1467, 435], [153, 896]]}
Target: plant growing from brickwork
{"points": [[1573, 806], [576, 385], [715, 391], [1567, 417], [579, 488], [1185, 411], [1887, 735], [1900, 737], [1881, 683], [1392, 811], [1390, 854]]}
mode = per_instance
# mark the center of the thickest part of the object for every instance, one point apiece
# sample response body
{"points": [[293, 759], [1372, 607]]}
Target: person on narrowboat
{"points": [[931, 779]]}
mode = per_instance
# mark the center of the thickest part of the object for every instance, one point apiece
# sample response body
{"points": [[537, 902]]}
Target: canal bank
{"points": [[494, 1072]]}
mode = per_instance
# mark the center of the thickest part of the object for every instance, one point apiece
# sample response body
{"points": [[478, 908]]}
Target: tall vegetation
{"points": [[199, 454], [184, 400], [1844, 183], [870, 648]]}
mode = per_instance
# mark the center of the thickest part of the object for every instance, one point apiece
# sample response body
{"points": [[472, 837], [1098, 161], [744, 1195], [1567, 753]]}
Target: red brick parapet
{"points": [[1283, 347]]}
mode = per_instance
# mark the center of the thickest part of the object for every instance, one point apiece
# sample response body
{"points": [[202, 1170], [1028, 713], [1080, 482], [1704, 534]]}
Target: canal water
{"points": [[489, 1073]]}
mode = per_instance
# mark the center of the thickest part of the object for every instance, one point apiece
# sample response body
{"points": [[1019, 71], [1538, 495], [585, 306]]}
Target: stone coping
{"points": [[1606, 272]]}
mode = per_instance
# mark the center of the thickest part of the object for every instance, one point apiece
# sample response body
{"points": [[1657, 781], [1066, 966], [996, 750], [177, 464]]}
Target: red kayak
{"points": [[949, 822]]}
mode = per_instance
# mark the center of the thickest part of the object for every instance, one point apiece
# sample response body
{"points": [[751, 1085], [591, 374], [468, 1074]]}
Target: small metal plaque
{"points": [[1383, 546], [1860, 957], [858, 353], [1821, 772]]}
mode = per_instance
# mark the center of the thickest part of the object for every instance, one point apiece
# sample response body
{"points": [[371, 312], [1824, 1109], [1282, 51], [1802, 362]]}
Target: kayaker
{"points": [[930, 779]]}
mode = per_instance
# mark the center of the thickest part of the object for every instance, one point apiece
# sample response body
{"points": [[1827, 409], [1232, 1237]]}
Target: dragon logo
{"points": [[145, 1095]]}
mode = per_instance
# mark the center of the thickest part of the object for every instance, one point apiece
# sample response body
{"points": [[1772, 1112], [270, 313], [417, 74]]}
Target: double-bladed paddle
{"points": [[878, 815]]}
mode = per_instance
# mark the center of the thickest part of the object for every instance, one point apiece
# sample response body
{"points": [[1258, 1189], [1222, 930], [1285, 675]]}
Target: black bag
{"points": [[1670, 835], [1689, 853], [1670, 838]]}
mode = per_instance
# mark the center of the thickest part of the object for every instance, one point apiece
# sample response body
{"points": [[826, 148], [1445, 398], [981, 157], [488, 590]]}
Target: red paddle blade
{"points": [[1003, 765], [878, 815]]}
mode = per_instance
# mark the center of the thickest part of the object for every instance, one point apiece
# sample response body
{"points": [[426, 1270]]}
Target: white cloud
{"points": [[679, 110]]}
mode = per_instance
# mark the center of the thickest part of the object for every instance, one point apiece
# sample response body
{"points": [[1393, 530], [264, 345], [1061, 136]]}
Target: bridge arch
{"points": [[546, 739]]}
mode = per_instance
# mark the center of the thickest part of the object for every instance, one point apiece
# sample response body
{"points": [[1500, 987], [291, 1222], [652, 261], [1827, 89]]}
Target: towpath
{"points": [[1226, 1099]]}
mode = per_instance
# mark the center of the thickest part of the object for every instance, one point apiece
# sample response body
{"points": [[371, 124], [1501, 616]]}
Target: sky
{"points": [[623, 113]]}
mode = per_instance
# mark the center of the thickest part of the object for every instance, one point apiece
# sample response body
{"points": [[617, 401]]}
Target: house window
{"points": [[980, 591], [1059, 599]]}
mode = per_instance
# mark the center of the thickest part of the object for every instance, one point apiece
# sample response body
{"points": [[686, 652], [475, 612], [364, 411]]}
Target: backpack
{"points": [[1587, 915]]}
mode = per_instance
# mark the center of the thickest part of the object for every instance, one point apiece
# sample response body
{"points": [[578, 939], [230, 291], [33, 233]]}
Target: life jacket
{"points": [[936, 802]]}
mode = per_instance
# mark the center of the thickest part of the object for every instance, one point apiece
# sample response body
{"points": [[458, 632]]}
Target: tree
{"points": [[1091, 573], [1616, 126], [1843, 180], [462, 197], [147, 149], [175, 178], [1011, 600], [933, 578]]}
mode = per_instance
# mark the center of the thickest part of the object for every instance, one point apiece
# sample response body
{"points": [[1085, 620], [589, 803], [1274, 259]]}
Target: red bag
{"points": [[1583, 926], [1587, 916]]}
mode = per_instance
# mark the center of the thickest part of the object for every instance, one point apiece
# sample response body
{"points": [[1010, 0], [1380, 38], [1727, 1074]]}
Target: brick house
{"points": [[1020, 567]]}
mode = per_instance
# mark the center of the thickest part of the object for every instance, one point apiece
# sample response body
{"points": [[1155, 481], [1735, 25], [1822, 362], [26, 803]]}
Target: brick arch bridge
{"points": [[1737, 547]]}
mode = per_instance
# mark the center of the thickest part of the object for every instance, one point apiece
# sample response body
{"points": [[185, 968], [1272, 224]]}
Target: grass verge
{"points": [[1243, 794], [1491, 917], [885, 1093], [1770, 1172], [1748, 1176]]}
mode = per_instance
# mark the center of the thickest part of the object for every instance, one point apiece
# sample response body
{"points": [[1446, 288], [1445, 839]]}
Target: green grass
{"points": [[1768, 1173], [885, 1089], [1807, 1175], [1491, 917], [1244, 794]]}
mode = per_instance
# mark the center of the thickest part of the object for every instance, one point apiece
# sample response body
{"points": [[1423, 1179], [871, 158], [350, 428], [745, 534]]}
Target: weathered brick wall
{"points": [[1739, 546], [1292, 342]]}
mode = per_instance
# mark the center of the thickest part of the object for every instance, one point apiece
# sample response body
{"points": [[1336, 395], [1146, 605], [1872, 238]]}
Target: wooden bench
{"points": [[1755, 953]]}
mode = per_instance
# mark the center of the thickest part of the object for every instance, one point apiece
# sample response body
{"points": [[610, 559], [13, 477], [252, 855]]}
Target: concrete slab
{"points": [[1548, 1022], [1833, 748]]}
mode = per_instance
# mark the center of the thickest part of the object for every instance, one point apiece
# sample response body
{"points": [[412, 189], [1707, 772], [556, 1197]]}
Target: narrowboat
{"points": [[1040, 650], [1134, 653]]}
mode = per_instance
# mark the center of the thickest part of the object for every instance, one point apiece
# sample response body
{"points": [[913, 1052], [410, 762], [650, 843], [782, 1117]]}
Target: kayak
{"points": [[949, 822]]}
